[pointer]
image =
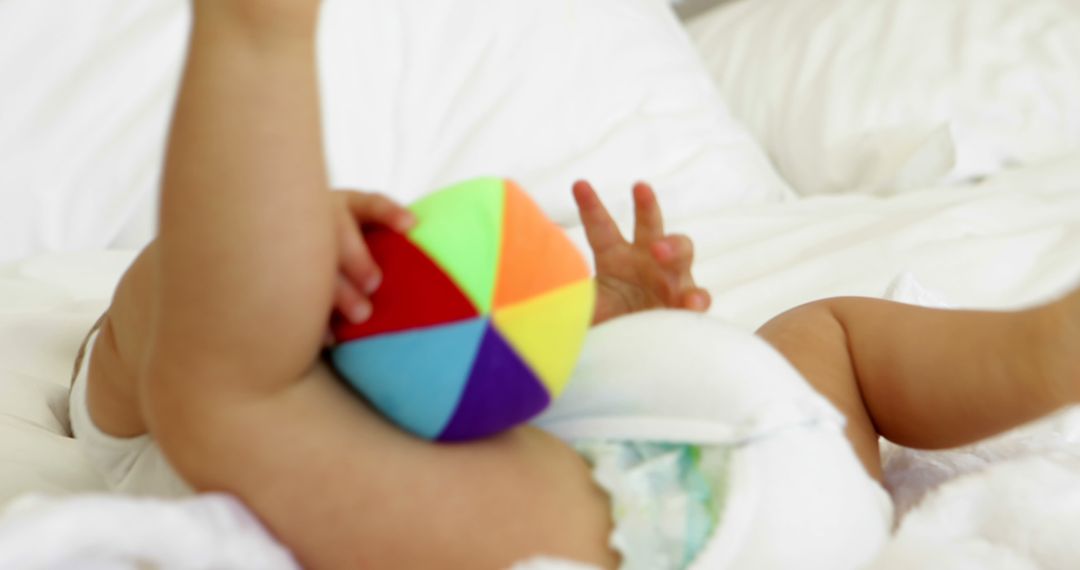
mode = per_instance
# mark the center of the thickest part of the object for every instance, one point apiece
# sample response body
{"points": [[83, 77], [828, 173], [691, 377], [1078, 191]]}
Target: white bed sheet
{"points": [[1010, 241], [416, 95], [884, 96]]}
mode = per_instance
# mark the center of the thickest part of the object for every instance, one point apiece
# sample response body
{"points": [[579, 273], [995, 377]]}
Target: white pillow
{"points": [[885, 95], [87, 88], [417, 95]]}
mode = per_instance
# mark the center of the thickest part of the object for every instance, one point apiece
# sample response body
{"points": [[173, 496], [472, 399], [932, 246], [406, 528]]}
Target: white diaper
{"points": [[132, 465], [666, 498], [785, 486]]}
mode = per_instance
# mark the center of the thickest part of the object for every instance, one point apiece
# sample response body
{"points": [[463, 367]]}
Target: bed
{"points": [[923, 152]]}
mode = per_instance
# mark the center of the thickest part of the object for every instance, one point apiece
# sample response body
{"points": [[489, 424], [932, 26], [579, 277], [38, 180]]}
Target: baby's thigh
{"points": [[343, 488]]}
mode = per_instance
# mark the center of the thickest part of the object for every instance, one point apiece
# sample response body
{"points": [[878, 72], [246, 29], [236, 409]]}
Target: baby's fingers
{"points": [[360, 277], [697, 300], [600, 229], [648, 221], [349, 301], [369, 208], [674, 252]]}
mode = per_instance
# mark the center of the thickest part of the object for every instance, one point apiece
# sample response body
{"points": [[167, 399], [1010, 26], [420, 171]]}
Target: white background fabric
{"points": [[416, 94], [889, 95], [118, 533]]}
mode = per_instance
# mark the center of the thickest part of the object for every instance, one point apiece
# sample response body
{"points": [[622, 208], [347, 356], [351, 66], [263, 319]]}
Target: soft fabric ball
{"points": [[480, 317]]}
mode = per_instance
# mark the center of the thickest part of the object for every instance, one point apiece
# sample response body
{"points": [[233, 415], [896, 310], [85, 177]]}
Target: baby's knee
{"points": [[810, 326]]}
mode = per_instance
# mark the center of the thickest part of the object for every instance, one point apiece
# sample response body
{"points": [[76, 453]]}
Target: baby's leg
{"points": [[220, 324], [932, 378], [244, 262], [246, 251]]}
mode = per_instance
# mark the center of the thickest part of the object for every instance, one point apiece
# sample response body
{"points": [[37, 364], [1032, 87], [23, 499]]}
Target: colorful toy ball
{"points": [[480, 317]]}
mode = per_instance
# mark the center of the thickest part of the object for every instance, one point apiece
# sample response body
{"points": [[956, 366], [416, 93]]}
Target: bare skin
{"points": [[928, 378], [212, 341]]}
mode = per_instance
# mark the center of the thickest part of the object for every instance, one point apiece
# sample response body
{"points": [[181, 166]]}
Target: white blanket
{"points": [[1011, 241], [103, 532]]}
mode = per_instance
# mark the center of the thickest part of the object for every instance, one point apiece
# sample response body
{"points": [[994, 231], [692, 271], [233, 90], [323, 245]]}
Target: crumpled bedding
{"points": [[1011, 240], [100, 531]]}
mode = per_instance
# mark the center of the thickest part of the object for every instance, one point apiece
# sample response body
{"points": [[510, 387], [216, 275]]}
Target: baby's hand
{"points": [[651, 272], [359, 277]]}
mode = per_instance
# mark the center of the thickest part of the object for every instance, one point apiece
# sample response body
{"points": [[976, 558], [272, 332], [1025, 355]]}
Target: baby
{"points": [[209, 355]]}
